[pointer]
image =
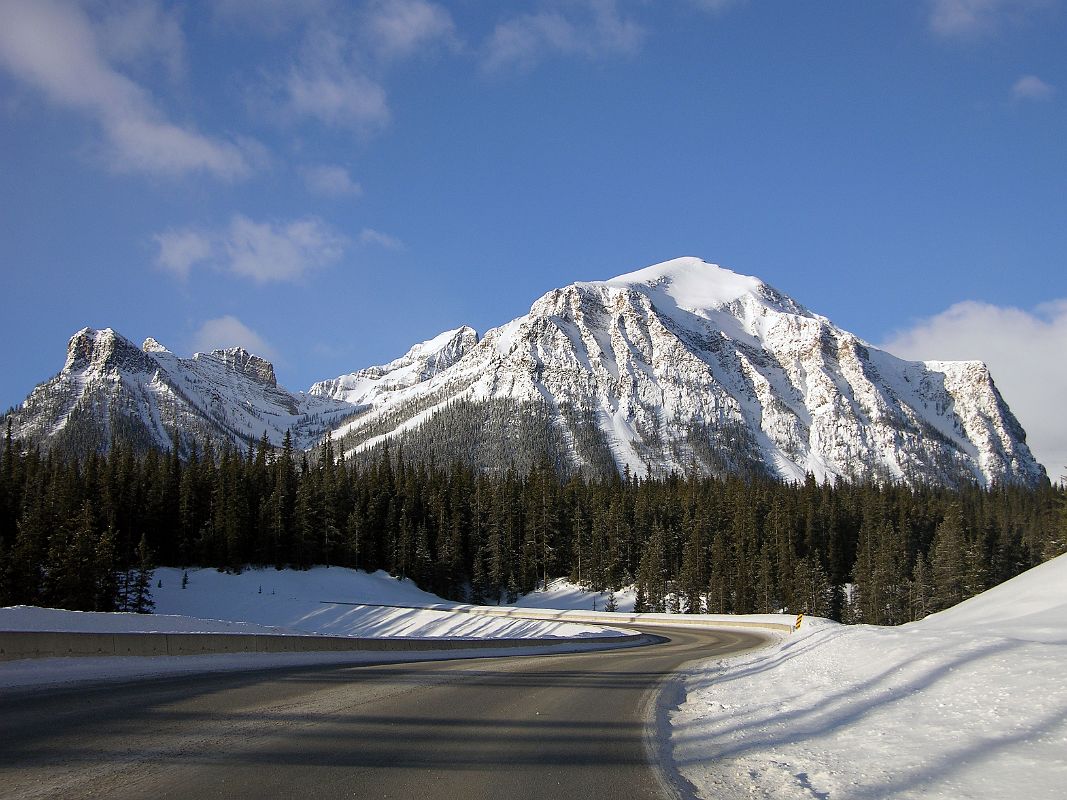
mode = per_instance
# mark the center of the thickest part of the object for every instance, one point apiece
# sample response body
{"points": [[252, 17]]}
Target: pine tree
{"points": [[652, 573], [811, 588], [948, 560], [920, 590], [141, 600]]}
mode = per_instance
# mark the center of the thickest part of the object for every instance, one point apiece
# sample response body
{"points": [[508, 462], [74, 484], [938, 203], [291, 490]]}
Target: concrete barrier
{"points": [[45, 644]]}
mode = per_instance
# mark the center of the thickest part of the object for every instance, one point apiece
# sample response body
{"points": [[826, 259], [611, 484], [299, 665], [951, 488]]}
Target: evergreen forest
{"points": [[86, 533]]}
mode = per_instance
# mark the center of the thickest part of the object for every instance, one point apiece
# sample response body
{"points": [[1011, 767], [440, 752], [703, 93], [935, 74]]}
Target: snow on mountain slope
{"points": [[968, 703], [682, 366], [110, 387], [685, 365], [419, 364]]}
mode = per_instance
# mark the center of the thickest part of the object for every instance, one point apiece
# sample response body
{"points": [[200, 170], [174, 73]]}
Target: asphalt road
{"points": [[519, 727]]}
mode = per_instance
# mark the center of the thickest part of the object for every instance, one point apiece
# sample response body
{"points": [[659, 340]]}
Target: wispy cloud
{"points": [[589, 29], [327, 84], [228, 331], [267, 252], [1031, 87], [1024, 351], [379, 239], [404, 28], [330, 180], [58, 50], [180, 251], [336, 75], [976, 19], [268, 17], [143, 32], [263, 251]]}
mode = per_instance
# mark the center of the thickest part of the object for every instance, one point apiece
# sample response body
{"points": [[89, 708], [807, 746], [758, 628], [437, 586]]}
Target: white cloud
{"points": [[56, 49], [1031, 87], [330, 180], [402, 28], [263, 251], [337, 97], [326, 84], [228, 331], [267, 252], [335, 75], [975, 19], [143, 32], [371, 236], [590, 28], [180, 251], [1025, 353]]}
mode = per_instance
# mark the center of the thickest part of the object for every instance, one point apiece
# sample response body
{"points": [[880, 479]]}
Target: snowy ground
{"points": [[328, 600], [968, 703], [564, 595]]}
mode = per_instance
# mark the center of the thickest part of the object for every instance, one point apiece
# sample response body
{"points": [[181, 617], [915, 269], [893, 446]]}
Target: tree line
{"points": [[86, 533]]}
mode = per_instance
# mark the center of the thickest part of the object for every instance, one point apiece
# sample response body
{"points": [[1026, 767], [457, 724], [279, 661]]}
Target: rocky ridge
{"points": [[109, 388], [683, 366]]}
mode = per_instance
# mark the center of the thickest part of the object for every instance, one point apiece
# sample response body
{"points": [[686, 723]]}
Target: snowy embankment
{"points": [[331, 601], [563, 595], [968, 703], [328, 601]]}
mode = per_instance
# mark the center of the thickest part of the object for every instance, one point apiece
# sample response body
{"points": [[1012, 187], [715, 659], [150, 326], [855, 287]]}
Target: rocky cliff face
{"points": [[111, 389], [689, 367]]}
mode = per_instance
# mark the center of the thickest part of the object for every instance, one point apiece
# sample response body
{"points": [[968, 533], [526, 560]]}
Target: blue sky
{"points": [[326, 183]]}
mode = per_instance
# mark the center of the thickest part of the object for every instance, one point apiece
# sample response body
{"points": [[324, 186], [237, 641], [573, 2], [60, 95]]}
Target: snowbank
{"points": [[969, 703], [324, 600], [563, 595], [277, 602]]}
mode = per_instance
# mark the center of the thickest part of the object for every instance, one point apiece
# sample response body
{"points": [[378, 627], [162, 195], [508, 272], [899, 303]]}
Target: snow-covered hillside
{"points": [[680, 366], [968, 703], [146, 395]]}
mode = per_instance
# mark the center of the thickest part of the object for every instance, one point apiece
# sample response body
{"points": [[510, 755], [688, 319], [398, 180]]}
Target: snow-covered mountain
{"points": [[146, 395], [681, 366], [685, 366]]}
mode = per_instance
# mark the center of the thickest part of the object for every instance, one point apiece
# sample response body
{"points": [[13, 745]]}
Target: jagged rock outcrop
{"points": [[109, 389]]}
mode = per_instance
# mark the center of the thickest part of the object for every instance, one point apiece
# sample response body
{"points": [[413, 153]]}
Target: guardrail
{"points": [[46, 644]]}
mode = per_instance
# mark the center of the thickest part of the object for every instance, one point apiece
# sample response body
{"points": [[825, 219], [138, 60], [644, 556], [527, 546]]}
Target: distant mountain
{"points": [[689, 367], [146, 396], [683, 366]]}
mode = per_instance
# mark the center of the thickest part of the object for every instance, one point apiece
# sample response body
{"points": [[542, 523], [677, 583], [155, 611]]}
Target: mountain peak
{"points": [[102, 349], [694, 285], [692, 282]]}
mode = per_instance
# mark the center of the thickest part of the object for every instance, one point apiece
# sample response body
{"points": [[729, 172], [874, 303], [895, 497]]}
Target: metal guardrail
{"points": [[46, 644]]}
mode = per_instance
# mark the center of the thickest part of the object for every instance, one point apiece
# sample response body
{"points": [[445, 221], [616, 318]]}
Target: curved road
{"points": [[517, 727]]}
